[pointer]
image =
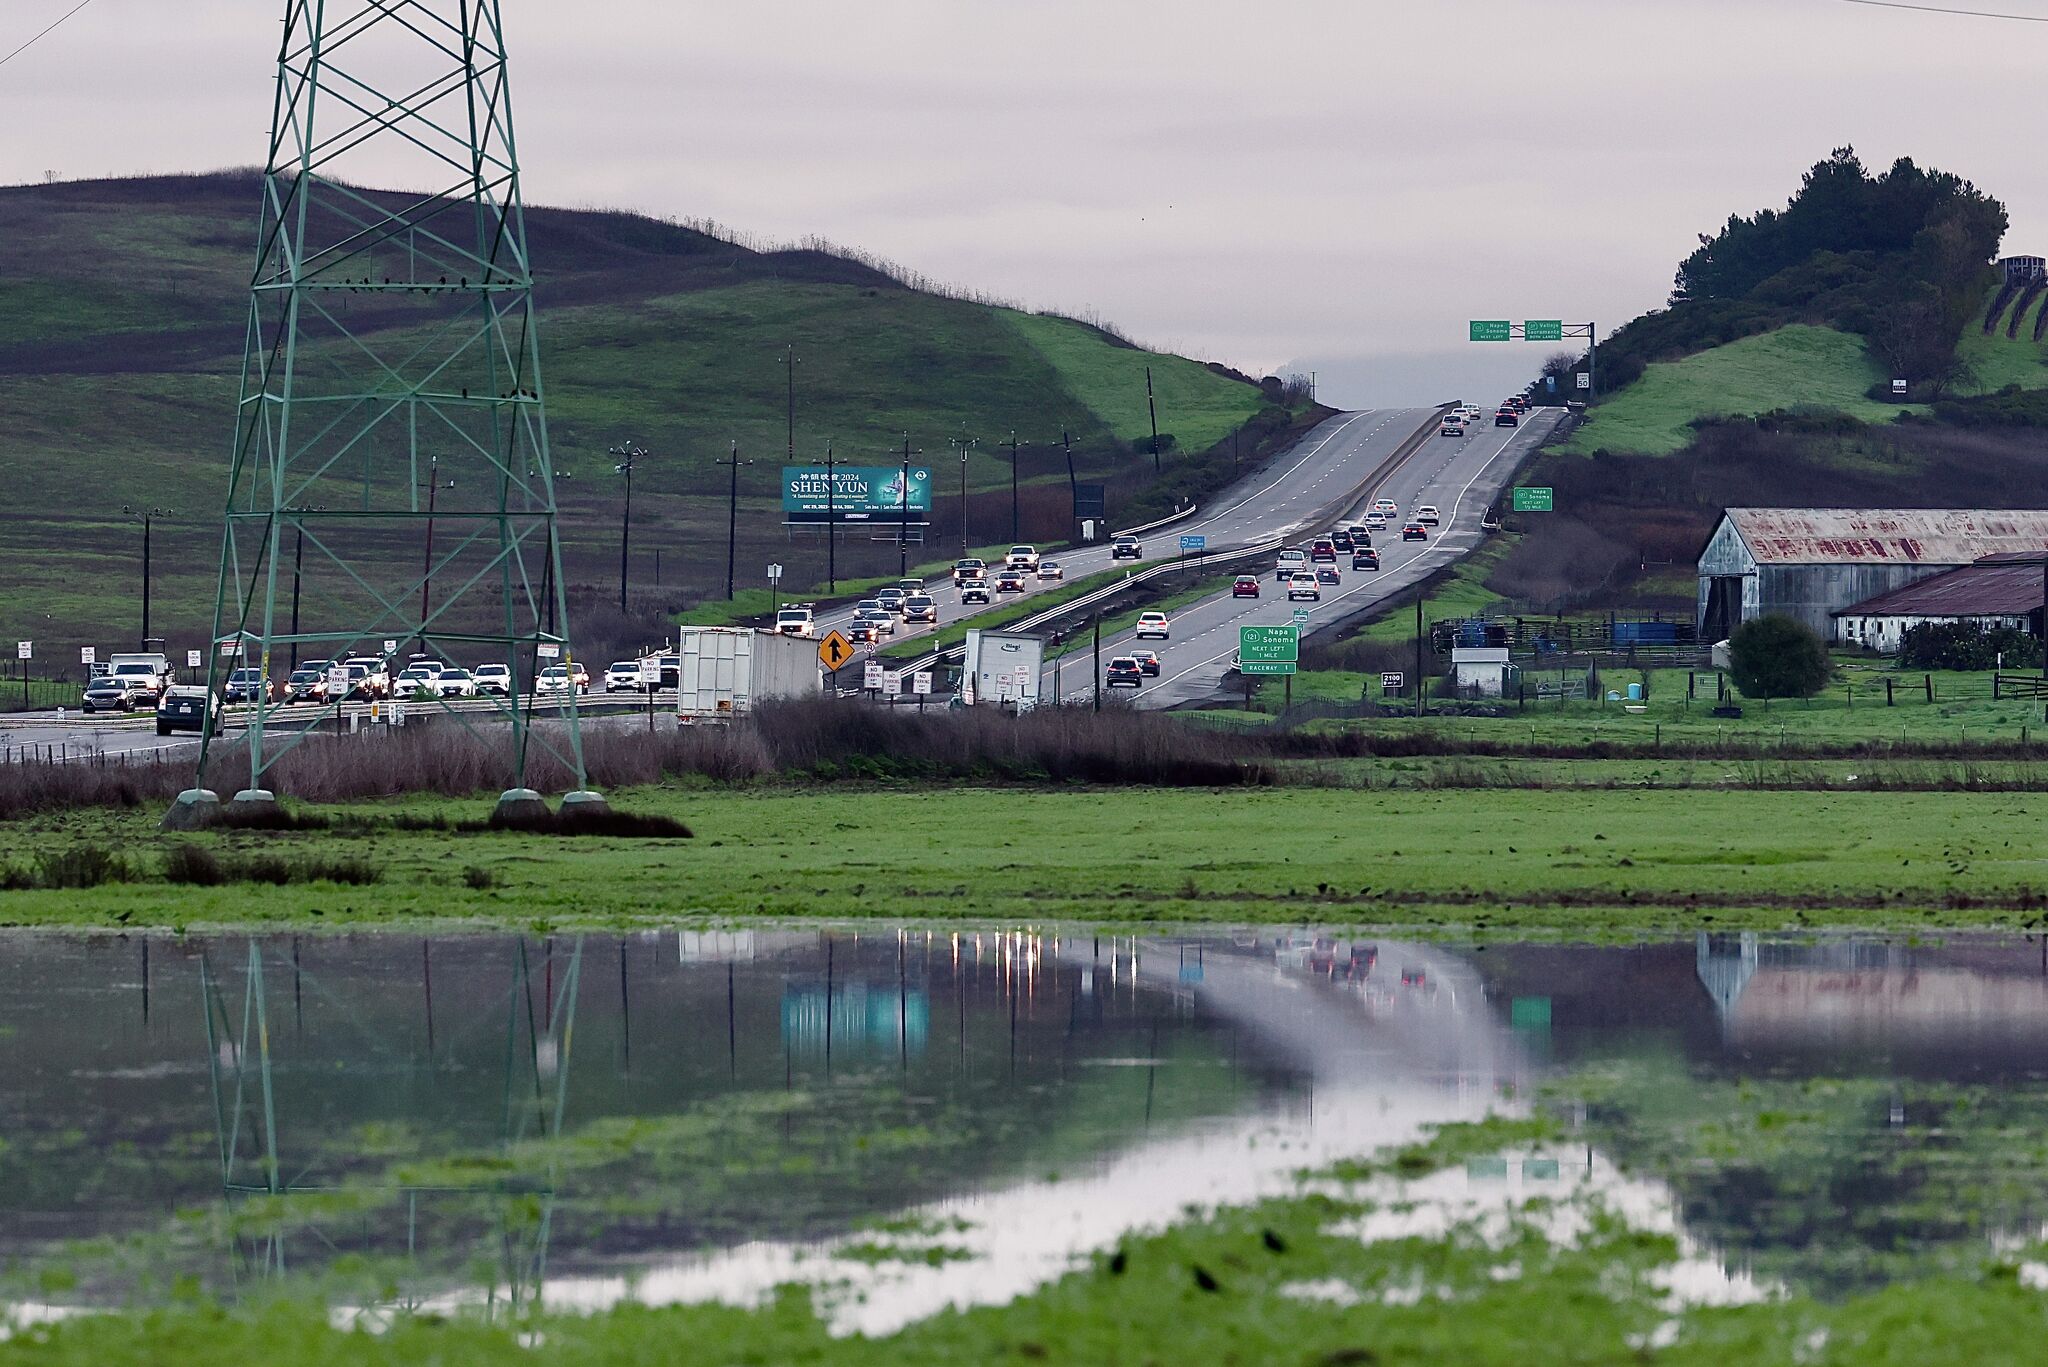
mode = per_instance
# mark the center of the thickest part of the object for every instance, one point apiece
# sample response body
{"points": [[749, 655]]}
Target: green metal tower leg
{"points": [[391, 333]]}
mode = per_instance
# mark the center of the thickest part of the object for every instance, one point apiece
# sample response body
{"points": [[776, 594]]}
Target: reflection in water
{"points": [[494, 1120]]}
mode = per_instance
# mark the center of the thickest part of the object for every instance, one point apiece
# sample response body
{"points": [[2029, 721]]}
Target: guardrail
{"points": [[1166, 521]]}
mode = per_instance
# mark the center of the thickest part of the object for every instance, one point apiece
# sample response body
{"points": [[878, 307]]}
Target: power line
{"points": [[40, 36], [1941, 9]]}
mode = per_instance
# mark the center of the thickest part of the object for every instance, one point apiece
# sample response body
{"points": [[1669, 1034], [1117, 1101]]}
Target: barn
{"points": [[2000, 591], [1811, 563]]}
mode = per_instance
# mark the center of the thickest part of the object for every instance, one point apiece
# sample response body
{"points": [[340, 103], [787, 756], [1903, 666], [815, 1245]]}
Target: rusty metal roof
{"points": [[1999, 587], [1887, 536]]}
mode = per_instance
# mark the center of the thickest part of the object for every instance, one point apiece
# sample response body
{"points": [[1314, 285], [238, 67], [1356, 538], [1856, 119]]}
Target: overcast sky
{"points": [[1327, 184]]}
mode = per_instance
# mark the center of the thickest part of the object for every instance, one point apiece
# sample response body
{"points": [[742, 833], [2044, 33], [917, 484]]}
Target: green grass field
{"points": [[1996, 360], [1588, 862], [1193, 407], [1784, 368]]}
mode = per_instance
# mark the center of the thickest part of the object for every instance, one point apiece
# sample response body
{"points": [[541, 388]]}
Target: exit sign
{"points": [[1543, 330], [1492, 330], [1532, 500]]}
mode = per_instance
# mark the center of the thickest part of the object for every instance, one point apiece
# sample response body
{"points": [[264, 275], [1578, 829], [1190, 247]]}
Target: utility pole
{"points": [[427, 577], [1098, 662], [1073, 489], [903, 503], [1153, 409], [1418, 653], [831, 523], [628, 455], [789, 360], [146, 517], [298, 567], [732, 515], [1013, 485], [965, 443]]}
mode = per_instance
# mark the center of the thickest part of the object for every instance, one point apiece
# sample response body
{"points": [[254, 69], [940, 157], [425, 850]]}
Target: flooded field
{"points": [[921, 1118]]}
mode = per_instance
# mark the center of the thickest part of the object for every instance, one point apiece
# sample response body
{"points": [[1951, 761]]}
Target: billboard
{"points": [[855, 493], [1089, 502]]}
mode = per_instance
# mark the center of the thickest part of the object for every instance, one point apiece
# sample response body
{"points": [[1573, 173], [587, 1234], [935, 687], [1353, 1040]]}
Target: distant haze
{"points": [[1326, 184]]}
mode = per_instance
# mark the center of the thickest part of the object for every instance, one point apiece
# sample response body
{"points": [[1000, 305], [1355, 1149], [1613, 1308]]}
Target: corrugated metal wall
{"points": [[1812, 592]]}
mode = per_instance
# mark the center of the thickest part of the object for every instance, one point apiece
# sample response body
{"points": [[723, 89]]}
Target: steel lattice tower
{"points": [[391, 478]]}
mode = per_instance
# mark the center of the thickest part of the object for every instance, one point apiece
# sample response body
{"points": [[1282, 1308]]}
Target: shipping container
{"points": [[727, 670]]}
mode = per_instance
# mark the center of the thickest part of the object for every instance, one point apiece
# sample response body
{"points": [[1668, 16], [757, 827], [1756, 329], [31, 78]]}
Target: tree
{"points": [[1778, 657]]}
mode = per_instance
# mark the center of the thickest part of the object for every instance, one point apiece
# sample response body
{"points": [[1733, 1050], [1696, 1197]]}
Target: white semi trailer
{"points": [[726, 671]]}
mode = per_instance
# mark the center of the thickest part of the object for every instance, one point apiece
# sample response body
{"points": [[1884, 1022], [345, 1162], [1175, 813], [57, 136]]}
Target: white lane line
{"points": [[1360, 416], [1376, 580]]}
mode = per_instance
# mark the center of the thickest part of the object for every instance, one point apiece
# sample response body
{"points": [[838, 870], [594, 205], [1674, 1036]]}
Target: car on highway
{"points": [[920, 607], [1375, 521], [795, 621], [1154, 626], [622, 677], [1341, 538], [1452, 426], [1303, 585], [306, 684], [1290, 562], [1126, 548], [1123, 672], [967, 568], [1385, 507], [860, 631], [376, 681], [185, 709], [1365, 558], [1505, 417], [1051, 569], [1520, 403], [249, 685], [974, 591], [891, 601], [1322, 551], [498, 679], [878, 618], [455, 683], [362, 683], [1360, 538], [1470, 412], [557, 679], [1246, 586], [1414, 531], [1148, 662], [415, 681], [119, 691], [1327, 576], [580, 672], [1022, 558], [911, 587], [1010, 581], [1427, 515]]}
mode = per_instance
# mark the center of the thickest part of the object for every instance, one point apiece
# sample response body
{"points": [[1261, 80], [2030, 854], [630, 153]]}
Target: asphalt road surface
{"points": [[1279, 498], [1460, 475]]}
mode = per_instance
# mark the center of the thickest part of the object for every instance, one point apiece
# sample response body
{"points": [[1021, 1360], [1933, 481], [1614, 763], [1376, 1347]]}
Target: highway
{"points": [[1460, 475], [1284, 495]]}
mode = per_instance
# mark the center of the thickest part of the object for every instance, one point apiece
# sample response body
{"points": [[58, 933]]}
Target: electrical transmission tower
{"points": [[391, 418]]}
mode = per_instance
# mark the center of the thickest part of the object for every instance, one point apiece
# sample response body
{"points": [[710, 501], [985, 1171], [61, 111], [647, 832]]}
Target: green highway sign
{"points": [[1269, 644], [1532, 500], [1265, 666], [1492, 330], [1543, 330]]}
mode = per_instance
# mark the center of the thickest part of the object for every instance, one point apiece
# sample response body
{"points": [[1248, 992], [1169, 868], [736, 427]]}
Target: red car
{"points": [[1322, 549], [1247, 586]]}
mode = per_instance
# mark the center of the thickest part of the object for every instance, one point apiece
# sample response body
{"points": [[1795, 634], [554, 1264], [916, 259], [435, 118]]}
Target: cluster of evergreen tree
{"points": [[1902, 257]]}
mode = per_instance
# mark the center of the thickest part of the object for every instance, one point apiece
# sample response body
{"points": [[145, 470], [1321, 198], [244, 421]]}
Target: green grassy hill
{"points": [[1788, 367], [122, 306]]}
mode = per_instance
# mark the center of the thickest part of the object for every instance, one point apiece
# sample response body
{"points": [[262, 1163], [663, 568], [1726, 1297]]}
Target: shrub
{"points": [[1966, 645], [1778, 657], [81, 866], [194, 865]]}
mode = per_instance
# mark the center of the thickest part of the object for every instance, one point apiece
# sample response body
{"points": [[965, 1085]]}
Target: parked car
{"points": [[1365, 558], [456, 683], [1327, 577], [1154, 625], [968, 568], [920, 607], [1414, 531], [974, 591], [1427, 515], [494, 679], [1247, 586], [1123, 672], [1126, 548], [1010, 581], [1148, 662], [622, 677], [1303, 585], [1022, 557], [795, 621], [1051, 569], [186, 709]]}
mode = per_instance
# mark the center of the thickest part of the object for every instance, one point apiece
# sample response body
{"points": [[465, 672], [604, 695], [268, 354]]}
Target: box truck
{"points": [[725, 671], [1001, 669]]}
